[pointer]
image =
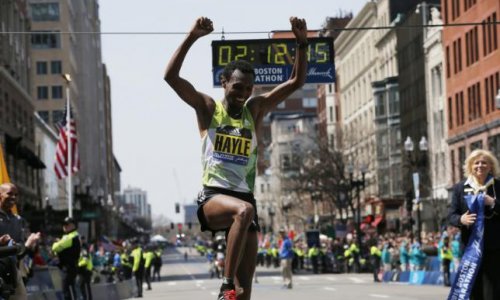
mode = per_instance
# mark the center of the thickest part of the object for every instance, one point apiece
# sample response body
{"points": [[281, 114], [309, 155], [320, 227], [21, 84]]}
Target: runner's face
{"points": [[238, 89], [481, 167], [8, 198]]}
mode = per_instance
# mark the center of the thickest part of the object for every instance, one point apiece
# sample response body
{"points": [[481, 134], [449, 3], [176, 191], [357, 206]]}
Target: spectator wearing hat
{"points": [[68, 250], [286, 257]]}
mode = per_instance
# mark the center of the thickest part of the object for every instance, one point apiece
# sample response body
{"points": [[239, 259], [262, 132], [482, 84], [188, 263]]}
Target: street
{"points": [[190, 280]]}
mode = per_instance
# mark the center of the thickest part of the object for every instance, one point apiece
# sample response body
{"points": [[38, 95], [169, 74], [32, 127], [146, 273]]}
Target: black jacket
{"points": [[492, 216]]}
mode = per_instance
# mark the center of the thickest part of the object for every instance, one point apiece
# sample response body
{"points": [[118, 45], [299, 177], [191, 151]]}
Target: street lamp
{"points": [[316, 197], [357, 185], [415, 164], [271, 213]]}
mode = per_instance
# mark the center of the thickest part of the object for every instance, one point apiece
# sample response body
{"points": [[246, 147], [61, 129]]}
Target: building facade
{"points": [[17, 124], [472, 69], [63, 44]]}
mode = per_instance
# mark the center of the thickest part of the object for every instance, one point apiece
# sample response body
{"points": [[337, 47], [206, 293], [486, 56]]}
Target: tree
{"points": [[319, 176]]}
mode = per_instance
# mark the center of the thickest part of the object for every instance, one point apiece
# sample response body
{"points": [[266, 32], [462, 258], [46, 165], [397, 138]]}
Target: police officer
{"points": [[446, 258], [85, 268], [138, 266], [68, 250], [148, 263], [375, 258], [126, 266]]}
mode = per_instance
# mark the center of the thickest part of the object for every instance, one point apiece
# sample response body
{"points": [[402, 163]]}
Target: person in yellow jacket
{"points": [[314, 258], [137, 266], [148, 263], [375, 257], [446, 258], [85, 268], [68, 250], [157, 263], [355, 257], [126, 266]]}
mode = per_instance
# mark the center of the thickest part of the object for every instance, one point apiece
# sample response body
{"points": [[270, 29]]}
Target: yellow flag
{"points": [[4, 176]]}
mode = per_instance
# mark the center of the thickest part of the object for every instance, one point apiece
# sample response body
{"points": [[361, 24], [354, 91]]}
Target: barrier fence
{"points": [[46, 284]]}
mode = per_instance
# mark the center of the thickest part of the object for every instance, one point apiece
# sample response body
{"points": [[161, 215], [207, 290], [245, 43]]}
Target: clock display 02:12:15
{"points": [[271, 53]]}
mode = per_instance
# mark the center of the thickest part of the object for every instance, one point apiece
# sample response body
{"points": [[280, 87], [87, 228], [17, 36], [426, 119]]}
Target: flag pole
{"points": [[67, 79]]}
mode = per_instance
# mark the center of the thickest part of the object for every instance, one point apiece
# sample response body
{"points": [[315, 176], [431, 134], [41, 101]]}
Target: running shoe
{"points": [[227, 295]]}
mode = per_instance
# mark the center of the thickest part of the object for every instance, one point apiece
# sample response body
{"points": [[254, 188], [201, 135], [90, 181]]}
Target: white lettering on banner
{"points": [[268, 78], [268, 71], [314, 72], [466, 274]]}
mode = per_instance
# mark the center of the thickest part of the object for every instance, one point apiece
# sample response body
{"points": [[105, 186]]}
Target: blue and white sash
{"points": [[471, 260]]}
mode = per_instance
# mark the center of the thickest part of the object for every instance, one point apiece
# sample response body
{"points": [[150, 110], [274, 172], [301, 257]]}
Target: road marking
{"points": [[199, 281], [332, 278], [356, 280], [187, 272], [330, 289], [304, 278], [276, 278], [214, 293], [172, 283], [378, 296]]}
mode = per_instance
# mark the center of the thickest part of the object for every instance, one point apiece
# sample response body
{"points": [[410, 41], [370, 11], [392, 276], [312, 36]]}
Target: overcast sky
{"points": [[155, 135]]}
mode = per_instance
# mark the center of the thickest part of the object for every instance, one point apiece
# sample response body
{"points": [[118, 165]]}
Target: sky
{"points": [[155, 135]]}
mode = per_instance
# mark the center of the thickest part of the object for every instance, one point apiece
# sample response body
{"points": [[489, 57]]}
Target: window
{"points": [[46, 40], [453, 166], [330, 109], [490, 36], [491, 86], [45, 12], [309, 102], [285, 162], [461, 160], [379, 105], [437, 83], [476, 145], [41, 67], [57, 92], [494, 145], [44, 115], [42, 92], [393, 101], [450, 113], [448, 65], [56, 67], [57, 116]]}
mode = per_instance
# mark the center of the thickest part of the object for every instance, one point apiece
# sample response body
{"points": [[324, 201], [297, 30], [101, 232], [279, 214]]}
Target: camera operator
{"points": [[12, 232]]}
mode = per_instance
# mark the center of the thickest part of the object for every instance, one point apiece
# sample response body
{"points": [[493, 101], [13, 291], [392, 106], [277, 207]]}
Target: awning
{"points": [[377, 221]]}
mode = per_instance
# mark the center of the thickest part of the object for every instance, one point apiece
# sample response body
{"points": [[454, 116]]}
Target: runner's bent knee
{"points": [[245, 213]]}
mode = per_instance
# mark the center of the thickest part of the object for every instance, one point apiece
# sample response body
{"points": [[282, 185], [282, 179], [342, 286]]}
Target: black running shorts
{"points": [[208, 192]]}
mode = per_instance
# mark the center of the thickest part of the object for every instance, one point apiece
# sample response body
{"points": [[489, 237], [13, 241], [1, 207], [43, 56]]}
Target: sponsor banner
{"points": [[276, 74]]}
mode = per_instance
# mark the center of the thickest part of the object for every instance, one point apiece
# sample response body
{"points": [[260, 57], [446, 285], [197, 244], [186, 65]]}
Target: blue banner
{"points": [[276, 74], [471, 260]]}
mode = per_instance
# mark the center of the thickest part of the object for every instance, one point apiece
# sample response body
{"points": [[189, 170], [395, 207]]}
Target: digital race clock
{"points": [[273, 59]]}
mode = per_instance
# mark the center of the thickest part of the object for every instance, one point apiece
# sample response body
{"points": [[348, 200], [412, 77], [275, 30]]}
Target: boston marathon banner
{"points": [[471, 260]]}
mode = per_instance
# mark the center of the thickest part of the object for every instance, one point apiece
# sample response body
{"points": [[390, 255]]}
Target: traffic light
{"points": [[179, 226], [177, 208], [190, 225], [172, 225]]}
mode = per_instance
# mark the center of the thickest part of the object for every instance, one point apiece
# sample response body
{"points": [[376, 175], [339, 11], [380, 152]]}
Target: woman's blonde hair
{"points": [[495, 169]]}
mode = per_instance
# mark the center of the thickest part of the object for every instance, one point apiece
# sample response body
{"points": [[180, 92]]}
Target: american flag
{"points": [[61, 163]]}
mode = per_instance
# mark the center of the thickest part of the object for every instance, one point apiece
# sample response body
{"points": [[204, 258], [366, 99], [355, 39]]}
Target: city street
{"points": [[190, 280]]}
